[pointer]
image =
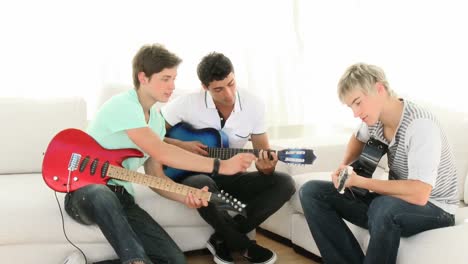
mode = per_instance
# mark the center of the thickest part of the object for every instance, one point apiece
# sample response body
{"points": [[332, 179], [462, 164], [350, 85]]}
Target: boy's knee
{"points": [[309, 189], [287, 184]]}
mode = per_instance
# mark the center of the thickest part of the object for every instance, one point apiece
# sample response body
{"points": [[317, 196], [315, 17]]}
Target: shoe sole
{"points": [[216, 259], [270, 261]]}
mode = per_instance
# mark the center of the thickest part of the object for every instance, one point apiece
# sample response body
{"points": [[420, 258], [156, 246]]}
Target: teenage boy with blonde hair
{"points": [[421, 192]]}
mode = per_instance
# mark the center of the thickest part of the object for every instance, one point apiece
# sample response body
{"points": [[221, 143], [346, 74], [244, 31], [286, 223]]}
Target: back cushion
{"points": [[29, 124]]}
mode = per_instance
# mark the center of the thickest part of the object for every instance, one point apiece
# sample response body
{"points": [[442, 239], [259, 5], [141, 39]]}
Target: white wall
{"points": [[291, 53]]}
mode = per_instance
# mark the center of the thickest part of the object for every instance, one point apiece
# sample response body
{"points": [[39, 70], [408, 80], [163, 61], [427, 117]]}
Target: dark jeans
{"points": [[387, 218], [131, 231], [263, 194]]}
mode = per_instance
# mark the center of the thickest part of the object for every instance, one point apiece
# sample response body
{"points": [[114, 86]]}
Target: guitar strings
{"points": [[65, 233]]}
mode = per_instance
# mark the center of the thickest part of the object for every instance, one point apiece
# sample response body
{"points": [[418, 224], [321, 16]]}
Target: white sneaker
{"points": [[75, 258]]}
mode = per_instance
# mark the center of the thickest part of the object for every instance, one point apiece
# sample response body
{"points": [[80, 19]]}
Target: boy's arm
{"points": [[155, 169]]}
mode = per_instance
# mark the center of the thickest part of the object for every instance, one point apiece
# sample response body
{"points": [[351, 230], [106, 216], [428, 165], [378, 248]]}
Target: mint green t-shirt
{"points": [[118, 114]]}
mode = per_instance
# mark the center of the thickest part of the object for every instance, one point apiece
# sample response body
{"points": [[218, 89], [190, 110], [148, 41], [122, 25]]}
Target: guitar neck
{"points": [[155, 182], [227, 153]]}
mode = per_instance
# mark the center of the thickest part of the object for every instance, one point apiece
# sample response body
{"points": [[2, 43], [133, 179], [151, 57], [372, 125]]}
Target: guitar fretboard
{"points": [[227, 153], [155, 182]]}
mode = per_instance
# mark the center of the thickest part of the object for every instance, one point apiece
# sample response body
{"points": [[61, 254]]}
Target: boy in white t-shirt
{"points": [[240, 116]]}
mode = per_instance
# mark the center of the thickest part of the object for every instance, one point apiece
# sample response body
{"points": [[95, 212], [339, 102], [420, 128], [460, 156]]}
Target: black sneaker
{"points": [[259, 255], [221, 254]]}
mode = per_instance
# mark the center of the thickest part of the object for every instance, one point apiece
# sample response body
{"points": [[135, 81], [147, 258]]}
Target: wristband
{"points": [[216, 164]]}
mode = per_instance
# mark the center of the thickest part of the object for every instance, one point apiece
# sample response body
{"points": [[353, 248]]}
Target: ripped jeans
{"points": [[134, 235]]}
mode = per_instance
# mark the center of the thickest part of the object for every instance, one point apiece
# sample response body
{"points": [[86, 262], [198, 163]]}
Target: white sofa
{"points": [[445, 245], [31, 227]]}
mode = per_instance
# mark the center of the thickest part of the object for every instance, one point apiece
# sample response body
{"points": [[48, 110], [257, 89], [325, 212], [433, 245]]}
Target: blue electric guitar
{"points": [[218, 147]]}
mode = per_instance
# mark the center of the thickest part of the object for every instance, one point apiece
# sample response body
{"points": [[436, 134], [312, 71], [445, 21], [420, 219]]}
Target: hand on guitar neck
{"points": [[239, 163], [266, 161], [343, 178], [364, 167]]}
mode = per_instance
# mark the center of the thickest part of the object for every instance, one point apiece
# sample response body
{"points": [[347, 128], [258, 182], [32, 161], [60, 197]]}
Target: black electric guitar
{"points": [[218, 147], [365, 165]]}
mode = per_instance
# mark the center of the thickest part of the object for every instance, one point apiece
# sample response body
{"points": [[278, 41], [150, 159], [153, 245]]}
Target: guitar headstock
{"points": [[224, 201], [297, 156], [343, 178]]}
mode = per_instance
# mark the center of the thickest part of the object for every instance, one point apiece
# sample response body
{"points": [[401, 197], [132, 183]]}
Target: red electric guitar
{"points": [[74, 159]]}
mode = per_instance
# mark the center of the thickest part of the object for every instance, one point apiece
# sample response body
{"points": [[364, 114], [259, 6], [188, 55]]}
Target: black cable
{"points": [[65, 233]]}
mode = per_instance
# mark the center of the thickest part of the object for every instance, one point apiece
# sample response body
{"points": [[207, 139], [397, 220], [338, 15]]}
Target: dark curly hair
{"points": [[152, 59], [214, 67]]}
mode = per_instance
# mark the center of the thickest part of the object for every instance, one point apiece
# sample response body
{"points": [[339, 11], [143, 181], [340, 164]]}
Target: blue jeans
{"points": [[131, 231], [387, 218], [263, 194]]}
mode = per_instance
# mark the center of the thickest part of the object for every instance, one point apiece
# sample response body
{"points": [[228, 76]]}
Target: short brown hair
{"points": [[152, 59]]}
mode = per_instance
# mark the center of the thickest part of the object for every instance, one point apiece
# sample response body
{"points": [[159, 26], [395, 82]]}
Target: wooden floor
{"points": [[286, 254]]}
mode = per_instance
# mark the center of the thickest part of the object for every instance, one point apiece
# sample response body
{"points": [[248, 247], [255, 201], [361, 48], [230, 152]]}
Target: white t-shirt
{"points": [[199, 110]]}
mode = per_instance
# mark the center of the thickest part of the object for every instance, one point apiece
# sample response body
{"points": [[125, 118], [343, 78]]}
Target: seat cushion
{"points": [[30, 213], [300, 179]]}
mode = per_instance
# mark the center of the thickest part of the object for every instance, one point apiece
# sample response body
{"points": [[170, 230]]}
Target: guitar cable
{"points": [[65, 233]]}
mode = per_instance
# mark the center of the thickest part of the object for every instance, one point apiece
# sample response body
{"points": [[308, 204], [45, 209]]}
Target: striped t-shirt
{"points": [[419, 151]]}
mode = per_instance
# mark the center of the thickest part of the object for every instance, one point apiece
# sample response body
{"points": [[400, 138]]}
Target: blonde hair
{"points": [[362, 76]]}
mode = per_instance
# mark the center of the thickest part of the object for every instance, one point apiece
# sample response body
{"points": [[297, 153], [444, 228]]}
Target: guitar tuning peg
{"points": [[227, 194], [219, 195], [222, 191], [227, 201], [243, 205], [235, 200], [240, 209], [223, 198]]}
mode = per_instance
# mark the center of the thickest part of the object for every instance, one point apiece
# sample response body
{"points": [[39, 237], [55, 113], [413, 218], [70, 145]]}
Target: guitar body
{"points": [[368, 161], [55, 166], [209, 136]]}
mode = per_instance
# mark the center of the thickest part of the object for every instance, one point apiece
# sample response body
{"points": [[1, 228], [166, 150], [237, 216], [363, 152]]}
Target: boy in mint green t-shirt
{"points": [[110, 131], [129, 120]]}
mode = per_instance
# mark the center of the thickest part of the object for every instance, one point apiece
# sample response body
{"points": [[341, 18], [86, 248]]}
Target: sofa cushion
{"points": [[30, 212], [31, 125], [300, 180]]}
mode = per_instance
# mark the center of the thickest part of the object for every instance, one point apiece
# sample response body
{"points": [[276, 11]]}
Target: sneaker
{"points": [[221, 254], [75, 258], [259, 255]]}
